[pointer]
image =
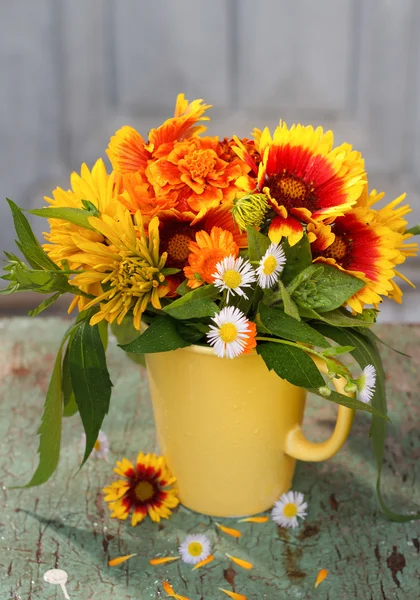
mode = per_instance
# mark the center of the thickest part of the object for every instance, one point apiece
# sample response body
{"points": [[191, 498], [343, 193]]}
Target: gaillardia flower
{"points": [[304, 177], [127, 265], [148, 489], [358, 244]]}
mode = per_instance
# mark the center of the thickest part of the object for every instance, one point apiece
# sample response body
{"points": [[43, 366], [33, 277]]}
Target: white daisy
{"points": [[233, 274], [288, 508], [101, 448], [231, 334], [195, 548], [271, 265], [366, 384]]}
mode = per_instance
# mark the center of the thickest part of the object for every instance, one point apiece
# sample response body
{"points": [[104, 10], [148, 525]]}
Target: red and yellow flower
{"points": [[206, 252], [304, 177], [148, 489], [361, 245]]}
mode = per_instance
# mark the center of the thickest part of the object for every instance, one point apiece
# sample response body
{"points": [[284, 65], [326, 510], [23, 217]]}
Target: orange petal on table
{"points": [[204, 562], [240, 562], [254, 520], [233, 532], [120, 559], [233, 595], [320, 577], [162, 561], [171, 592]]}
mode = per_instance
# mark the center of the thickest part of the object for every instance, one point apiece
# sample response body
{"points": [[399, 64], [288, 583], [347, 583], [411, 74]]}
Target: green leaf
{"points": [[284, 326], [194, 305], [69, 400], [91, 208], [336, 350], [170, 271], [77, 216], [103, 333], [257, 244], [44, 304], [28, 244], [90, 380], [414, 230], [379, 341], [50, 429], [325, 288], [340, 317], [183, 288], [298, 257], [290, 307], [126, 333], [292, 364], [366, 353], [161, 336]]}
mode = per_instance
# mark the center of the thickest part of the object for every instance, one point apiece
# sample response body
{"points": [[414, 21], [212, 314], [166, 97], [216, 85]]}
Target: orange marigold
{"points": [[206, 252]]}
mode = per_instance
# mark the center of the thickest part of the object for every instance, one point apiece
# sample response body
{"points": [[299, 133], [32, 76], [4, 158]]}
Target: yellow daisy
{"points": [[126, 265]]}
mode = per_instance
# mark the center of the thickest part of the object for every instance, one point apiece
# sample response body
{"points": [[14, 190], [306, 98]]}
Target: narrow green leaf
{"points": [[103, 333], [196, 304], [335, 350], [183, 288], [290, 307], [90, 380], [415, 230], [340, 317], [91, 208], [326, 288], [169, 271], [257, 244], [380, 341], [366, 353], [77, 216], [44, 304], [292, 364], [285, 326], [161, 336], [29, 245], [69, 400], [298, 257]]}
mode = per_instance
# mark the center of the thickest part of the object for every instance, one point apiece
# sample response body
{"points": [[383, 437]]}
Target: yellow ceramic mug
{"points": [[231, 429]]}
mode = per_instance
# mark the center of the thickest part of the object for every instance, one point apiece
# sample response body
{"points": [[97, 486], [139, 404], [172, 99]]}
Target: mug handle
{"points": [[299, 447]]}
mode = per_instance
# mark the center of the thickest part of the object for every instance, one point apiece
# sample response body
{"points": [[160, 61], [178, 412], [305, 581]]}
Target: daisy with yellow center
{"points": [[127, 266], [304, 177], [195, 548], [366, 384], [271, 265], [232, 333], [101, 447], [232, 275], [288, 508], [148, 489]]}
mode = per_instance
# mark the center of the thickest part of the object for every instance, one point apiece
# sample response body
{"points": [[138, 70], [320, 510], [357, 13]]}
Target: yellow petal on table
{"points": [[204, 562], [233, 595], [171, 592], [320, 577], [240, 562], [233, 532], [163, 560], [254, 520], [120, 559]]}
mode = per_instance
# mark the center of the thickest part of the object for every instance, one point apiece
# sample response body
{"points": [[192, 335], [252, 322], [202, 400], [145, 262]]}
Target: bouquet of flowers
{"points": [[272, 244]]}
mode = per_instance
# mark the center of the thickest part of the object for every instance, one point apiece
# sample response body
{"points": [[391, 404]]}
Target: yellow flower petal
{"points": [[229, 531], [233, 595], [120, 559], [320, 577], [204, 562], [171, 592], [240, 562], [254, 520], [163, 560]]}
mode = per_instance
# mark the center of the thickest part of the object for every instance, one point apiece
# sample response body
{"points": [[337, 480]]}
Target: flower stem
{"points": [[288, 343]]}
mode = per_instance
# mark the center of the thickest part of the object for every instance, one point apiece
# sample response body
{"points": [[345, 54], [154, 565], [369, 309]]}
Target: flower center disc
{"points": [[97, 445], [228, 332], [291, 192], [144, 490], [178, 247], [338, 249], [195, 549], [290, 510], [200, 163], [293, 188], [270, 264], [232, 278]]}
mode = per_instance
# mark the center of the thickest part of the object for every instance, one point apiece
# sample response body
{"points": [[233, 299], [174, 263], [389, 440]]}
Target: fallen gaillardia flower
{"points": [[148, 489]]}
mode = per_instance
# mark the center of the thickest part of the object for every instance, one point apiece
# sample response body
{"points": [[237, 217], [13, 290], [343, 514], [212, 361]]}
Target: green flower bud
{"points": [[250, 210], [350, 387], [324, 391]]}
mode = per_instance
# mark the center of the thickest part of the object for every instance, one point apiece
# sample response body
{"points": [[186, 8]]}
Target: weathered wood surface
{"points": [[66, 524]]}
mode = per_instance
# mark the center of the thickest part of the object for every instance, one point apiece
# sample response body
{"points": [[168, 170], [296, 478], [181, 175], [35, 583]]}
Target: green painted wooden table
{"points": [[65, 523]]}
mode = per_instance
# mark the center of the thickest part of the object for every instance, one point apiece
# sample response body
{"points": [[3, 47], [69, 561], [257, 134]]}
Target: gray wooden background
{"points": [[73, 71]]}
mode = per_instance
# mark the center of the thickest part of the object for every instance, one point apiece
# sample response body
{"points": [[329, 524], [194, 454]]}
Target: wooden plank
{"points": [[295, 54], [29, 110], [165, 47]]}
